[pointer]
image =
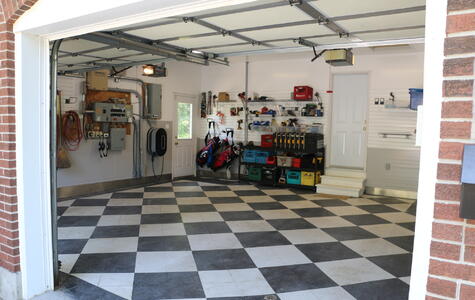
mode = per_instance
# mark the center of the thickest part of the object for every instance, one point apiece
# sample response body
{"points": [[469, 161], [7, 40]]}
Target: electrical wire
{"points": [[71, 130]]}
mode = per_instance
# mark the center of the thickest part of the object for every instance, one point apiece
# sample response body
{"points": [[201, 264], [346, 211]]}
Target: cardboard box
{"points": [[223, 97], [97, 80]]}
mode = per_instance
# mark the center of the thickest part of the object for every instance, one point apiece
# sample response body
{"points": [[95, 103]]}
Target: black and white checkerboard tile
{"points": [[198, 240]]}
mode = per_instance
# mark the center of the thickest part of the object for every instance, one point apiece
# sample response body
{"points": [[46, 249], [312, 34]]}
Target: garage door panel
{"points": [[287, 32], [180, 29], [216, 40], [380, 22], [350, 7], [389, 35], [239, 48], [79, 45]]}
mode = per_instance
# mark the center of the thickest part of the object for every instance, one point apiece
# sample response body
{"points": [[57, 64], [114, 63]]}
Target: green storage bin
{"points": [[255, 173]]}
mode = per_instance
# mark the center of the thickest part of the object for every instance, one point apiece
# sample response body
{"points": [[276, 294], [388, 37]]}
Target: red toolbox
{"points": [[271, 160], [267, 140], [303, 93], [296, 162]]}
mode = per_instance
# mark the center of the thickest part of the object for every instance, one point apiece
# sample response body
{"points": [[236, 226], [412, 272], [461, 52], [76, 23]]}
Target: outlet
{"points": [[387, 166]]}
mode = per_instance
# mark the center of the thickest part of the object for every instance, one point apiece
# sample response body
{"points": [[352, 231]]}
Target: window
{"points": [[184, 111]]}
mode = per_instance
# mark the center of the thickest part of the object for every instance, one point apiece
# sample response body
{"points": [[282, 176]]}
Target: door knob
{"points": [[176, 143]]}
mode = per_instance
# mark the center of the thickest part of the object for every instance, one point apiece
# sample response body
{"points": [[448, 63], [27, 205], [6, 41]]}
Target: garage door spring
{"points": [[71, 130]]}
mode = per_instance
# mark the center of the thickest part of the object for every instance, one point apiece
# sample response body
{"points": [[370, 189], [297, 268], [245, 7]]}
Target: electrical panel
{"points": [[117, 139], [111, 112], [154, 101]]}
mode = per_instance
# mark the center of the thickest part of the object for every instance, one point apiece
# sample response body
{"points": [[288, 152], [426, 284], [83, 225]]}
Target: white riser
{"points": [[343, 181], [339, 190], [345, 173]]}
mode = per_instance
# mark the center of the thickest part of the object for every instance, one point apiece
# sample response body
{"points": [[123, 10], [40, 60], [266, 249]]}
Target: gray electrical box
{"points": [[154, 101], [117, 139], [111, 112]]}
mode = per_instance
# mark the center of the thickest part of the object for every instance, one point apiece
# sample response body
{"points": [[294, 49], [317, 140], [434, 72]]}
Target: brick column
{"points": [[452, 261]]}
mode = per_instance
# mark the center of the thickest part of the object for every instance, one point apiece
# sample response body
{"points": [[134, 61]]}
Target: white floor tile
{"points": [[329, 222], [360, 201], [66, 203], [191, 188], [406, 279], [162, 229], [352, 271], [135, 190], [80, 232], [233, 207], [400, 207], [244, 187], [195, 217], [276, 256], [331, 293], [120, 284], [111, 245], [397, 217], [192, 200], [125, 202], [373, 247], [214, 241], [165, 261], [67, 261], [100, 196], [257, 199], [84, 211], [220, 194], [278, 192], [387, 230], [299, 204], [114, 220], [307, 236], [271, 214], [314, 197], [159, 195], [250, 226], [346, 210], [159, 209]]}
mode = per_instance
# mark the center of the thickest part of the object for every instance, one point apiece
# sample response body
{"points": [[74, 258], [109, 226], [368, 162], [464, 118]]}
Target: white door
{"points": [[348, 130], [184, 146]]}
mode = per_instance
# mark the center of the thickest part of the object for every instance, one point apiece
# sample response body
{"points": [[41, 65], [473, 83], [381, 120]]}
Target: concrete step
{"points": [[339, 190], [343, 181], [341, 172]]}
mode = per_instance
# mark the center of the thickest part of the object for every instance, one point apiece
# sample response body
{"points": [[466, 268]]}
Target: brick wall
{"points": [[452, 261], [10, 11]]}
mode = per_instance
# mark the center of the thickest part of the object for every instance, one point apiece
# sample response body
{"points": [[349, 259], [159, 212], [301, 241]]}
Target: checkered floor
{"points": [[198, 240]]}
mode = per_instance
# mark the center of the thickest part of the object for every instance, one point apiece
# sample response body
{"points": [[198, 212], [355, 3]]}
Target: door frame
{"points": [[194, 116], [330, 119]]}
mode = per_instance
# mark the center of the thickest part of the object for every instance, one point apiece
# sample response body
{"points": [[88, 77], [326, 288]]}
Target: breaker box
{"points": [[117, 139], [111, 112]]}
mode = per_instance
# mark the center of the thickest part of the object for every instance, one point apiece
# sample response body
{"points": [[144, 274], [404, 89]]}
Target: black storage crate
{"points": [[269, 175]]}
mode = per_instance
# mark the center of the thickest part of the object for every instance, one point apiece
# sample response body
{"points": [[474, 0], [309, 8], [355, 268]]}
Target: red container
{"points": [[271, 160], [303, 93], [267, 140], [296, 162]]}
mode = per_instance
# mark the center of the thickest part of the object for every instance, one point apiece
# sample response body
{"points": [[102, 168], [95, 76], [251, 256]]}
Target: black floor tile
{"points": [[313, 212], [260, 297], [90, 202], [127, 195], [220, 200], [206, 228], [159, 201], [287, 197], [176, 285], [365, 219], [409, 225], [349, 233], [412, 209], [267, 205], [222, 259], [197, 208], [164, 243], [374, 209], [290, 224], [330, 202], [60, 210], [250, 193], [296, 278], [405, 242], [391, 289], [158, 189], [185, 183], [116, 231], [123, 210], [262, 239], [302, 191], [105, 263], [213, 188], [73, 246], [240, 215], [319, 252], [82, 290], [397, 265], [71, 221], [388, 200], [160, 218], [189, 194]]}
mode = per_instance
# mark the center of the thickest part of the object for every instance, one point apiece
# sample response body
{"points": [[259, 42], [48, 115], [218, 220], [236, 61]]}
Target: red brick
{"points": [[441, 287], [444, 250], [453, 5], [455, 130], [458, 88], [469, 254], [458, 66], [470, 236], [457, 109], [451, 270], [460, 23], [448, 192], [451, 150], [467, 292], [433, 298], [444, 171], [459, 45], [447, 232], [445, 211]]}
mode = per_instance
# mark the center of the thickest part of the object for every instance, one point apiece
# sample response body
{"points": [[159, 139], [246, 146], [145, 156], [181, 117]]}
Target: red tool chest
{"points": [[303, 93]]}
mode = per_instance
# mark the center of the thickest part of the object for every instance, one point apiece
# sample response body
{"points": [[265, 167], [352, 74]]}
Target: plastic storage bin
{"points": [[254, 173], [284, 161], [269, 175], [249, 156], [267, 140], [417, 96], [261, 157], [296, 162], [293, 177], [308, 178], [271, 160]]}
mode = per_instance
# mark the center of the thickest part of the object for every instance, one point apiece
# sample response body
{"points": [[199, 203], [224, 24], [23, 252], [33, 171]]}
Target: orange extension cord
{"points": [[71, 130]]}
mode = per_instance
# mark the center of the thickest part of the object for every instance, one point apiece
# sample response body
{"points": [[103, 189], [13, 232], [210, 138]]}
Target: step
{"points": [[343, 181], [339, 190], [341, 172]]}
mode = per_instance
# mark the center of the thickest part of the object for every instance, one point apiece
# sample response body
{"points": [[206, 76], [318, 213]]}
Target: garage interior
{"points": [[260, 151]]}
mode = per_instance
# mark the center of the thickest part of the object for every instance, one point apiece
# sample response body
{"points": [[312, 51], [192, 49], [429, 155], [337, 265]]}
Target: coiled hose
{"points": [[71, 130]]}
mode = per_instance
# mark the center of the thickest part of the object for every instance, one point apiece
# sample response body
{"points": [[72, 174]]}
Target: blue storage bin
{"points": [[417, 96], [249, 156], [261, 157], [293, 177]]}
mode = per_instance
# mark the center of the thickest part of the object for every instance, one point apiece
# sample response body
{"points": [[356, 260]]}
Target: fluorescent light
{"points": [[196, 52]]}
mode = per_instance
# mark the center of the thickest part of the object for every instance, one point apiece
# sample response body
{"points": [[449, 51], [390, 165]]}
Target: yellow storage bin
{"points": [[308, 178]]}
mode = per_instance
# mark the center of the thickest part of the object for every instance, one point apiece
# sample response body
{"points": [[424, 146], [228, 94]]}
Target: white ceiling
{"points": [[181, 34]]}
